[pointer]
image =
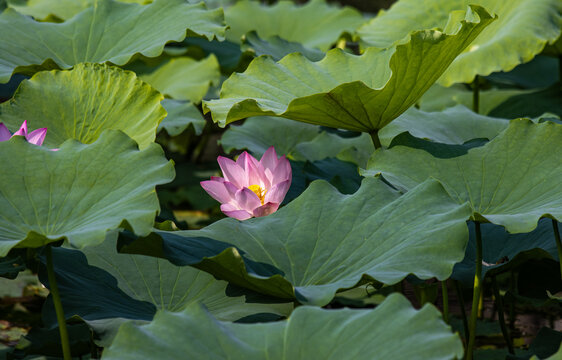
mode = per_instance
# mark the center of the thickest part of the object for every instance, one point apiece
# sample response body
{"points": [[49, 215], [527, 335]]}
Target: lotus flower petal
{"points": [[5, 134], [277, 193], [266, 209], [22, 131], [37, 136], [233, 172], [250, 187], [231, 211]]}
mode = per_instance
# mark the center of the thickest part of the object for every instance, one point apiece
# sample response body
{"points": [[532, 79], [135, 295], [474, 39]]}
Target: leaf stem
{"points": [[375, 137], [476, 94], [501, 317], [445, 295], [558, 243], [57, 303], [476, 293]]}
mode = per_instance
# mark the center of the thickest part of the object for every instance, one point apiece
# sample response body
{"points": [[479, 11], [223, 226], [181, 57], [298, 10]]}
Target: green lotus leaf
{"points": [[438, 98], [184, 78], [502, 251], [122, 286], [81, 103], [345, 91], [510, 181], [523, 28], [309, 333], [180, 116], [48, 9], [314, 25], [79, 192], [455, 125], [532, 104], [110, 31], [324, 241], [298, 141], [278, 48]]}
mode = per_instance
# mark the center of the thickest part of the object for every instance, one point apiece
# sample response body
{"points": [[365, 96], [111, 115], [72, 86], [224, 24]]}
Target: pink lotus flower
{"points": [[250, 187], [35, 137]]}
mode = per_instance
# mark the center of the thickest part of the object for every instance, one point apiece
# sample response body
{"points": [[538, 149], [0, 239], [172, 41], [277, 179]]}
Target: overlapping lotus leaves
{"points": [[324, 241], [296, 140], [180, 116], [502, 251], [346, 91], [78, 192], [521, 32], [278, 48], [50, 9], [184, 78], [438, 98], [110, 31], [81, 103], [122, 286], [314, 25], [510, 181], [309, 333], [455, 125]]}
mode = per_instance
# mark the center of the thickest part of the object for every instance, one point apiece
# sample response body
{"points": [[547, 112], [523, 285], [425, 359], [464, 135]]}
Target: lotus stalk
{"points": [[476, 293]]}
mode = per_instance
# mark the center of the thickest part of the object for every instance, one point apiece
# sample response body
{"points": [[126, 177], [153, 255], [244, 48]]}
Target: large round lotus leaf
{"points": [[122, 286], [502, 251], [83, 102], [511, 181], [314, 25], [110, 31], [79, 192], [346, 91], [455, 125], [521, 32], [324, 241], [184, 78], [296, 140], [309, 333]]}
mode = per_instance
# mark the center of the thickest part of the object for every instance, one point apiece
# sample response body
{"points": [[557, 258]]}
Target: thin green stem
{"points": [[499, 306], [558, 243], [476, 94], [476, 293], [58, 305], [445, 295], [463, 310], [375, 137]]}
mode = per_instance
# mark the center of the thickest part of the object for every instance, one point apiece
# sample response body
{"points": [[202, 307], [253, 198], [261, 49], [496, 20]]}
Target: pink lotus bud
{"points": [[35, 137], [250, 187]]}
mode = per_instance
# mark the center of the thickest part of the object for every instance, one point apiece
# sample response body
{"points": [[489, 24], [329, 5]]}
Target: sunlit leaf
{"points": [[522, 30], [310, 333], [324, 241], [314, 24], [510, 181], [110, 31], [345, 91], [79, 192]]}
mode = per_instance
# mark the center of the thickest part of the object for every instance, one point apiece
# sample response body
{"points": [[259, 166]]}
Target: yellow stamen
{"points": [[258, 191]]}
